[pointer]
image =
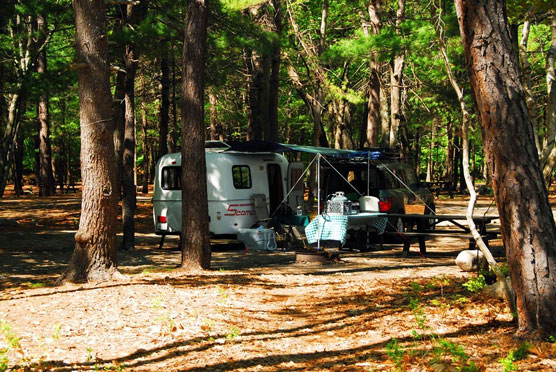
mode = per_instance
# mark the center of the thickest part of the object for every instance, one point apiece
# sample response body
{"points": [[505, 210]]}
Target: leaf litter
{"points": [[258, 311]]}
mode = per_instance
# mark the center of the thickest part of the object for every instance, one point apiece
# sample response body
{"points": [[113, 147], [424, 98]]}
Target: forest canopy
{"points": [[344, 74]]}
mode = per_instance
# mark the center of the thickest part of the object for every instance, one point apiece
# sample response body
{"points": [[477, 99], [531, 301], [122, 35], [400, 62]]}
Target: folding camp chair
{"points": [[261, 210]]}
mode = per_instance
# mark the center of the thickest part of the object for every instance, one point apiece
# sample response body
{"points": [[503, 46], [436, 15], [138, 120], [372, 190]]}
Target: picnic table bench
{"points": [[460, 231]]}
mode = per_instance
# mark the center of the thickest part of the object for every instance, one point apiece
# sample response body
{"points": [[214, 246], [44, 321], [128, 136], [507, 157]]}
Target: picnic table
{"points": [[457, 229], [335, 227]]}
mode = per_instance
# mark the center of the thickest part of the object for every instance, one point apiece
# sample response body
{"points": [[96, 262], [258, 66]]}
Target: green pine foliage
{"points": [[239, 28]]}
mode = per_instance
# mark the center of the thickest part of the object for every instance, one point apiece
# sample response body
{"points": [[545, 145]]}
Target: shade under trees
{"points": [[345, 73]]}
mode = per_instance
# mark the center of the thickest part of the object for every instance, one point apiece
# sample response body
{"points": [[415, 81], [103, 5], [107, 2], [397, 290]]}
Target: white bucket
{"points": [[369, 204]]}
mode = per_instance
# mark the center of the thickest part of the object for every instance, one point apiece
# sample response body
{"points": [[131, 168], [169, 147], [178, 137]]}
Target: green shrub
{"points": [[396, 353], [514, 355], [474, 285], [447, 351]]}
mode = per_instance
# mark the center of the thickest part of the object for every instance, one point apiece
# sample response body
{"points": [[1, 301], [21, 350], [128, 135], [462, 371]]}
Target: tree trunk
{"points": [[173, 136], [94, 257], [459, 176], [215, 126], [146, 147], [396, 74], [449, 170], [118, 113], [384, 119], [417, 145], [18, 165], [8, 136], [164, 106], [133, 15], [258, 71], [47, 186], [313, 104], [273, 91], [527, 224], [549, 152], [374, 124], [195, 234], [128, 170], [152, 165], [405, 151], [396, 81], [526, 75]]}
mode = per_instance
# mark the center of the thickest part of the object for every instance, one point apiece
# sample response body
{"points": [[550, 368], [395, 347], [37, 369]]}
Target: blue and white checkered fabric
{"points": [[327, 228], [335, 227]]}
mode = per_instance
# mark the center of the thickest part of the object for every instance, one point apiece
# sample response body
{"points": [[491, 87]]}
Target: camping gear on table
{"points": [[339, 205], [369, 204]]}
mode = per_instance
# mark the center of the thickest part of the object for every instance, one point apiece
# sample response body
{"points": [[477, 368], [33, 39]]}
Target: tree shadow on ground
{"points": [[40, 258], [319, 359]]}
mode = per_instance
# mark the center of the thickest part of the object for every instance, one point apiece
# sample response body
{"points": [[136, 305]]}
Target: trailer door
{"points": [[275, 186], [295, 188]]}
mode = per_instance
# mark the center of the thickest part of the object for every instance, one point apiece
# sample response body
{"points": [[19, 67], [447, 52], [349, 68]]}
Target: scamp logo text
{"points": [[240, 210]]}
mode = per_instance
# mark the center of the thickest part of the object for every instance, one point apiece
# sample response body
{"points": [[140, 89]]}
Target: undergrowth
{"points": [[439, 353]]}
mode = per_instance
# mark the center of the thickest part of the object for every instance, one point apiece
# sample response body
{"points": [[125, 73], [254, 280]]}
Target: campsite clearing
{"points": [[254, 311]]}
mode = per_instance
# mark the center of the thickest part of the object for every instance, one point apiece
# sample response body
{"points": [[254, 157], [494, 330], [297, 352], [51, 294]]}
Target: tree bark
{"points": [[384, 119], [196, 253], [215, 125], [396, 82], [128, 166], [133, 15], [164, 106], [548, 159], [527, 224], [404, 142], [173, 136], [449, 170], [526, 75], [8, 136], [18, 165], [417, 145], [146, 147], [258, 72], [94, 257], [118, 114], [374, 124], [273, 91], [47, 186]]}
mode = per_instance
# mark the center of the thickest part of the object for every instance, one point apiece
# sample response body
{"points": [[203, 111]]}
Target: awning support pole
{"points": [[318, 201], [368, 172]]}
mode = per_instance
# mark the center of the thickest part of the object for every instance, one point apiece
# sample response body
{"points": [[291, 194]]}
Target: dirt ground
{"points": [[254, 311]]}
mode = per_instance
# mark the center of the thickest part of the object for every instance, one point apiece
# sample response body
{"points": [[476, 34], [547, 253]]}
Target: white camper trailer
{"points": [[233, 178]]}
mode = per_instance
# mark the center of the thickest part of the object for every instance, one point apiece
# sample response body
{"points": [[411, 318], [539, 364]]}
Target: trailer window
{"points": [[171, 178], [242, 176]]}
